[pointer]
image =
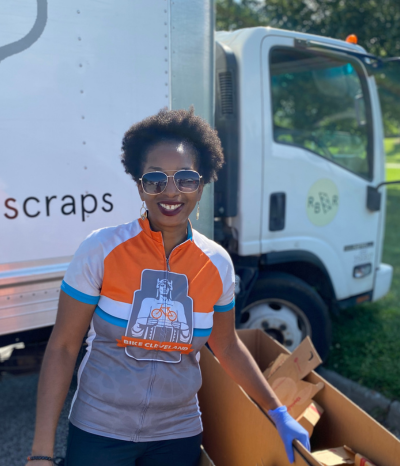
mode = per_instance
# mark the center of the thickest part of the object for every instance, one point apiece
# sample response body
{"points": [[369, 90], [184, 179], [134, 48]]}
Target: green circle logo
{"points": [[322, 202]]}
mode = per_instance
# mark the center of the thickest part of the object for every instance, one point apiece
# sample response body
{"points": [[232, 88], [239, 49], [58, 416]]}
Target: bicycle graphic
{"points": [[160, 316], [170, 315]]}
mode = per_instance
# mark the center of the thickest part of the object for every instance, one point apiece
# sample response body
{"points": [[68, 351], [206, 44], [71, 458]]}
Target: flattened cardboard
{"points": [[343, 422], [335, 456], [274, 366], [299, 364], [295, 395], [341, 456], [236, 431], [309, 418], [363, 461], [285, 375]]}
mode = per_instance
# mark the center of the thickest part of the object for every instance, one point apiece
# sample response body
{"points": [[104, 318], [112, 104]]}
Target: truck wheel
{"points": [[288, 309]]}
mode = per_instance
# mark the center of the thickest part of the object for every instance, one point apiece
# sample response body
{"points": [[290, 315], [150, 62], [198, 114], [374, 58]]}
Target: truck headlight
{"points": [[361, 271]]}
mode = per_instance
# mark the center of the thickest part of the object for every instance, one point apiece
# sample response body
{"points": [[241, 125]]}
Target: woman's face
{"points": [[171, 207]]}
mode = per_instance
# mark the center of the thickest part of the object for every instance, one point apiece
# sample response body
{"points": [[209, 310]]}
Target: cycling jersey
{"points": [[140, 376]]}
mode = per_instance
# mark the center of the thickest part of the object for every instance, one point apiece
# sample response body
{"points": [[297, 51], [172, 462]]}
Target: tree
{"points": [[232, 15], [374, 22]]}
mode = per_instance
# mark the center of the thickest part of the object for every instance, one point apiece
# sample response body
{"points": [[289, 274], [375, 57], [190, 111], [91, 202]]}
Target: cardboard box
{"points": [[296, 396], [335, 456], [362, 461], [342, 455], [298, 364], [285, 375], [275, 365], [238, 433], [309, 418]]}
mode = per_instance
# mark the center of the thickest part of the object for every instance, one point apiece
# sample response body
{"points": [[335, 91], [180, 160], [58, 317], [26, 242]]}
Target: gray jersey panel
{"points": [[121, 397]]}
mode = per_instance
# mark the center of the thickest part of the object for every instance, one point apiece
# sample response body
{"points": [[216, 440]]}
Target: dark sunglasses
{"points": [[186, 181]]}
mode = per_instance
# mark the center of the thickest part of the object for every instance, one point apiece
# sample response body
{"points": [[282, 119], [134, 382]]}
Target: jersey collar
{"points": [[157, 235]]}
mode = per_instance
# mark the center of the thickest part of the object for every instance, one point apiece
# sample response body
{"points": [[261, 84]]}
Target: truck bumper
{"points": [[383, 280]]}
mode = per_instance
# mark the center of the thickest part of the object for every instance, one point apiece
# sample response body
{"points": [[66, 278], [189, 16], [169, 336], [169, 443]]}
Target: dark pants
{"points": [[84, 449]]}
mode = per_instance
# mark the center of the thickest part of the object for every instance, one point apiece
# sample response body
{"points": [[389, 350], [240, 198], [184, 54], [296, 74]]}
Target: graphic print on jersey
{"points": [[160, 327]]}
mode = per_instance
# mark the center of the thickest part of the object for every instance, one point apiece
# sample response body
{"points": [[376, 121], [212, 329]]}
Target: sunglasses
{"points": [[186, 181]]}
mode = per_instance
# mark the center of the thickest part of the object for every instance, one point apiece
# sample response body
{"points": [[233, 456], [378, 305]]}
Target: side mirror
{"points": [[374, 196]]}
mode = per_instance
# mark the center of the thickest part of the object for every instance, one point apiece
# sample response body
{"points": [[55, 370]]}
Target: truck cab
{"points": [[300, 122]]}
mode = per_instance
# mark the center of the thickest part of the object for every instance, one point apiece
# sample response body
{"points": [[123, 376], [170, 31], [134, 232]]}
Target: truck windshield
{"points": [[320, 102]]}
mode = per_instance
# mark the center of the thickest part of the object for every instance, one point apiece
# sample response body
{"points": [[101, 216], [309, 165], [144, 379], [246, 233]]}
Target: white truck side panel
{"points": [[192, 78], [66, 102], [69, 89]]}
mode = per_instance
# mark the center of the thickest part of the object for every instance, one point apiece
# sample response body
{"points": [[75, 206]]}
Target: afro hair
{"points": [[173, 126]]}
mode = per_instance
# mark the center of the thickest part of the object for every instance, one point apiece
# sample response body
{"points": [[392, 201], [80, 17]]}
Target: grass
{"points": [[366, 339], [392, 149]]}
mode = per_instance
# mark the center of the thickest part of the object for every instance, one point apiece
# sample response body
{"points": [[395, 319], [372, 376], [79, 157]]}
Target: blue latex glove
{"points": [[289, 430]]}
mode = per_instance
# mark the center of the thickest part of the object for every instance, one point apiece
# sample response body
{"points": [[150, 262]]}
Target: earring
{"points": [[198, 211], [143, 215]]}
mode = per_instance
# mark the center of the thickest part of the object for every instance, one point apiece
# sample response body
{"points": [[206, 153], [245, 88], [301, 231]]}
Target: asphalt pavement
{"points": [[17, 419]]}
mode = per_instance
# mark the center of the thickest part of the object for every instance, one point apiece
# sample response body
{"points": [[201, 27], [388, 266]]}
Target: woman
{"points": [[153, 292]]}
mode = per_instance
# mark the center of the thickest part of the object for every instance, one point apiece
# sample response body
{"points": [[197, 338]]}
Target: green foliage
{"points": [[375, 23], [232, 15], [392, 150]]}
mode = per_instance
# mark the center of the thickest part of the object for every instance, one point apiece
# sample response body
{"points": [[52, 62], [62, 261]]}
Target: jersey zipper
{"points": [[154, 363], [170, 254], [146, 401]]}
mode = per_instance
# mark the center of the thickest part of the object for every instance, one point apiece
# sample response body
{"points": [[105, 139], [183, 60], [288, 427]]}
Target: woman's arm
{"points": [[237, 361], [73, 319]]}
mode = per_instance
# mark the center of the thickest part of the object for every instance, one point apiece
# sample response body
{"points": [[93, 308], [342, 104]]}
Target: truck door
{"points": [[323, 148]]}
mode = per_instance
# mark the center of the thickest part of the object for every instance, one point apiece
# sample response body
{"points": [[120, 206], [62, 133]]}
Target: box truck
{"points": [[299, 204]]}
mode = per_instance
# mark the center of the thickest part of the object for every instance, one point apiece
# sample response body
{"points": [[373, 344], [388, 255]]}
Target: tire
{"points": [[288, 309]]}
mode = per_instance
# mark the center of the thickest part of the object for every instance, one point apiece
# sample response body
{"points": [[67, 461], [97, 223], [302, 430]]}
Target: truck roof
{"points": [[242, 35]]}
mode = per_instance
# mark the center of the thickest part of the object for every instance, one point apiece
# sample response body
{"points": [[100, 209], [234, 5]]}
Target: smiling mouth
{"points": [[170, 207]]}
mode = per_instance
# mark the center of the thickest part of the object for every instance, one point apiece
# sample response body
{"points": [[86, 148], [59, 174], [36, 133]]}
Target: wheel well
{"points": [[310, 273]]}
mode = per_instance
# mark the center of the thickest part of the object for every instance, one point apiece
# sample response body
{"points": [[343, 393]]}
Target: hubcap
{"points": [[280, 319]]}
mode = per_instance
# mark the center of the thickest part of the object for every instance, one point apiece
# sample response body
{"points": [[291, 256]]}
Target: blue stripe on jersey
{"points": [[202, 332], [78, 295], [110, 319], [197, 332], [225, 308]]}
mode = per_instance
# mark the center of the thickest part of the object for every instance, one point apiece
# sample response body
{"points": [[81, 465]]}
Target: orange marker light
{"points": [[352, 39]]}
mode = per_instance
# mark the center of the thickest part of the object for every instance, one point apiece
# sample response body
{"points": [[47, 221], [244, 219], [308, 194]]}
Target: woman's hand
{"points": [[289, 430]]}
